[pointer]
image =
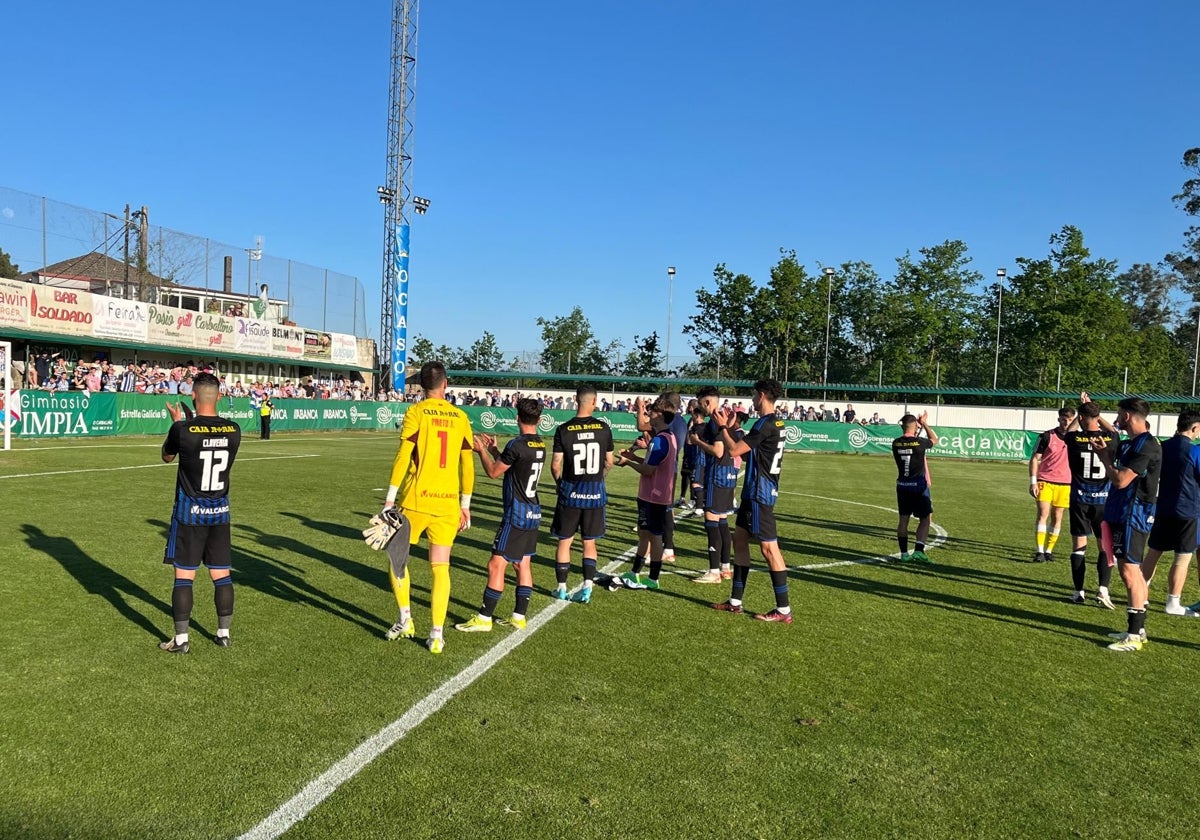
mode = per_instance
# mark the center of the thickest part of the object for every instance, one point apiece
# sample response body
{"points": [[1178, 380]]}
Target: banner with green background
{"points": [[77, 413]]}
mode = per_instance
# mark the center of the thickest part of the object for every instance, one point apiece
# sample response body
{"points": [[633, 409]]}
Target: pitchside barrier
{"points": [[44, 414]]}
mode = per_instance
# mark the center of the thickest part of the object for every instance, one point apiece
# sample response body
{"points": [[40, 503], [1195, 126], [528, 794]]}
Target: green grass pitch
{"points": [[963, 699]]}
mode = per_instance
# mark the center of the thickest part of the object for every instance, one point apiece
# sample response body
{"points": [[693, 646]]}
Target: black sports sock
{"points": [[726, 542], [524, 593], [713, 532], [655, 569], [1103, 570], [740, 573], [921, 547], [561, 570], [181, 605], [223, 598], [903, 541], [669, 532], [779, 580], [1078, 569], [1137, 621], [491, 598], [639, 563], [589, 568]]}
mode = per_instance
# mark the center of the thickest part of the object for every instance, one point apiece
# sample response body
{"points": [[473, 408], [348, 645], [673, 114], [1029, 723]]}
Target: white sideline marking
{"points": [[319, 789], [316, 791], [147, 466]]}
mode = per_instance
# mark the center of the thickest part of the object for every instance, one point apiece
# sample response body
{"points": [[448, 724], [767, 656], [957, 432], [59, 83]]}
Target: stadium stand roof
{"points": [[836, 387]]}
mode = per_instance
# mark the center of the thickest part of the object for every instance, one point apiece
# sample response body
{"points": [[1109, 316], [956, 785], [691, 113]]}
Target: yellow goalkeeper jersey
{"points": [[435, 462]]}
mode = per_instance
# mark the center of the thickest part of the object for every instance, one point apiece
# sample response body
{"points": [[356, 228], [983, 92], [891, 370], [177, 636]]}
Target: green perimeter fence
{"points": [[43, 414]]}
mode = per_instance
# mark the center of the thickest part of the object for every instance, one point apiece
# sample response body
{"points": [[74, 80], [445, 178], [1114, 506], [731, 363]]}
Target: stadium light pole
{"points": [[828, 315], [670, 300], [1001, 273]]}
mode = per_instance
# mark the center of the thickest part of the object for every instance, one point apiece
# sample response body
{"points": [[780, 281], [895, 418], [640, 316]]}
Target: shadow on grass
{"points": [[99, 579], [909, 592]]}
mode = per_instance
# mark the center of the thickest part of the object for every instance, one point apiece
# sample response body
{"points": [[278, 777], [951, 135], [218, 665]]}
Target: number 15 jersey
{"points": [[1088, 483]]}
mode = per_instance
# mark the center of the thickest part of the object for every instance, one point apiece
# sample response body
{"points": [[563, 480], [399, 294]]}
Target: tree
{"points": [[1065, 310], [421, 350], [569, 346], [1147, 290], [1186, 262], [8, 269], [721, 333], [483, 354], [645, 358]]}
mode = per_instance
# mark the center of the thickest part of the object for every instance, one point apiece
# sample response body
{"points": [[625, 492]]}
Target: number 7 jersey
{"points": [[207, 447]]}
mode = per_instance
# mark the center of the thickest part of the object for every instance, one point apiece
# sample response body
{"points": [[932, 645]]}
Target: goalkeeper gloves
{"points": [[383, 527]]}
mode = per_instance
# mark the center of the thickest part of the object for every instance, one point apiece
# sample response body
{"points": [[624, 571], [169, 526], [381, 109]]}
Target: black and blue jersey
{"points": [[525, 456], [584, 443], [207, 447], [765, 460]]}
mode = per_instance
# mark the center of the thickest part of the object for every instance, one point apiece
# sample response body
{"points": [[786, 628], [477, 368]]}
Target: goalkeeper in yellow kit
{"points": [[433, 475]]}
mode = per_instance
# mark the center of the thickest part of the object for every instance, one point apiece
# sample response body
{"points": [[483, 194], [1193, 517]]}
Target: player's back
{"points": [[207, 448], [584, 443], [439, 433], [525, 456]]}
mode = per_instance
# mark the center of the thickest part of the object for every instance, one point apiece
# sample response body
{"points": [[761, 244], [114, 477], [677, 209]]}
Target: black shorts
{"points": [[758, 519], [1172, 533], [589, 522], [719, 500], [1129, 544], [911, 503], [190, 545], [515, 544], [652, 517], [1085, 518]]}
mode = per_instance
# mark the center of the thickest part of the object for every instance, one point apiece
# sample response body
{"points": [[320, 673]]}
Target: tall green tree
{"points": [[645, 359], [570, 346], [1147, 291], [8, 269], [1065, 309], [721, 332]]}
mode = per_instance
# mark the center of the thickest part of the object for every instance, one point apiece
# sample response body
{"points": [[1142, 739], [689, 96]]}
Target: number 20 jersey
{"points": [[584, 443], [207, 447]]}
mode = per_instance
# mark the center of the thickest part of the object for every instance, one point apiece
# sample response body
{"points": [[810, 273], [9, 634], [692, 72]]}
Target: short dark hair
{"points": [[1066, 411], [1135, 405], [433, 375], [206, 387], [769, 388], [529, 411], [1187, 418], [1089, 409], [908, 421], [585, 391], [708, 391]]}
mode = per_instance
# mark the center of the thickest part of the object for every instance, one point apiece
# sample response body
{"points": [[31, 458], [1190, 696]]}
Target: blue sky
{"points": [[572, 151]]}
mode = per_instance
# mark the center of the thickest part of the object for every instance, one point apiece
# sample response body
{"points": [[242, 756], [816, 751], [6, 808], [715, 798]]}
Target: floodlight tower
{"points": [[396, 193]]}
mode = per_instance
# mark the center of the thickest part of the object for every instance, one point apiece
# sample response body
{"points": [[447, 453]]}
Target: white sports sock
{"points": [[181, 638], [784, 610], [221, 634], [1173, 601]]}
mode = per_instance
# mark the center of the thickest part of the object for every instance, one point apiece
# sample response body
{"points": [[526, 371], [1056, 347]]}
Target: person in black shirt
{"points": [[763, 446], [720, 483], [1133, 471], [583, 456], [912, 483], [206, 445], [1089, 491], [521, 464]]}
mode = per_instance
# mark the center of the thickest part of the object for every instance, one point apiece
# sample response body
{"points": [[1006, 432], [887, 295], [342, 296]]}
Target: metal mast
{"points": [[396, 193]]}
